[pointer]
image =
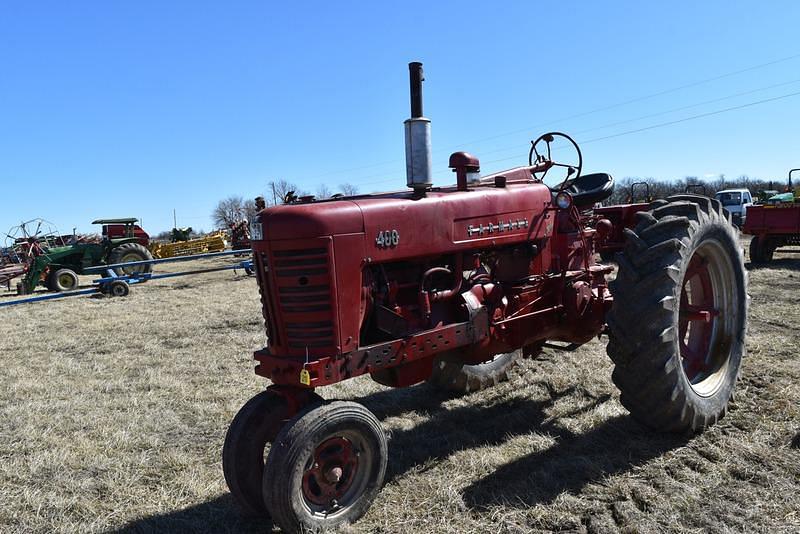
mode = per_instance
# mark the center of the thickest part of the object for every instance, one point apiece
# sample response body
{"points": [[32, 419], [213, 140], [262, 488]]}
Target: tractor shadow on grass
{"points": [[421, 399], [470, 426], [615, 446], [217, 515]]}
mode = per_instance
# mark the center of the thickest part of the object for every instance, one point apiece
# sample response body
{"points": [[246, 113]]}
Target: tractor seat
{"points": [[590, 188]]}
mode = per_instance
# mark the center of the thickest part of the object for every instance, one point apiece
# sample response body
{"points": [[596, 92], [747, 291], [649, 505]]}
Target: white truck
{"points": [[735, 201]]}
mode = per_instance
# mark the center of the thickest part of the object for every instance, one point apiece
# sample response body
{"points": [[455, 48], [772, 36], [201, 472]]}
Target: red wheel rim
{"points": [[331, 473], [698, 317]]}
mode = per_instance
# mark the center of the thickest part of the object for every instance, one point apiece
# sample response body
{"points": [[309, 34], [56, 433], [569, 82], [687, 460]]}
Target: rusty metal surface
{"points": [[10, 271], [329, 370], [314, 261], [621, 217]]}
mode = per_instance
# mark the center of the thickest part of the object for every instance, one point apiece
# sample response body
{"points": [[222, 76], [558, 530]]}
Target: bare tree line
{"points": [[234, 209], [665, 188]]}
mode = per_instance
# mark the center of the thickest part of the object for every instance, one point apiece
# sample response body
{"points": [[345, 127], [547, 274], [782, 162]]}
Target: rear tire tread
{"points": [[450, 374], [118, 253], [642, 342]]}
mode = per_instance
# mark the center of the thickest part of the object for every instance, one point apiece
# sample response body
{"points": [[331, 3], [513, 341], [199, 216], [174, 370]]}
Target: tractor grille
{"points": [[267, 306], [300, 307]]}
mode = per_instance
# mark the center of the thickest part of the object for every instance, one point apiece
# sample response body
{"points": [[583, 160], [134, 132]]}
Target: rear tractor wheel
{"points": [[325, 467], [451, 374], [677, 325], [607, 256], [129, 252]]}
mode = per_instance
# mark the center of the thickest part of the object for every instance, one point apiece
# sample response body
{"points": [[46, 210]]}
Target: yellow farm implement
{"points": [[211, 243]]}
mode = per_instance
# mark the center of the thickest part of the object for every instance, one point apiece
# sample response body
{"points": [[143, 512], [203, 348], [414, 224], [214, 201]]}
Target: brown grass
{"points": [[114, 412]]}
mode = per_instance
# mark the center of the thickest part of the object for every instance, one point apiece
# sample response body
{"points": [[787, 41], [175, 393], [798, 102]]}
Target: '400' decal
{"points": [[387, 238]]}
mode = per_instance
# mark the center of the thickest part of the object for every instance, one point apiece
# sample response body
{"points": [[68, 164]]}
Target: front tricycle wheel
{"points": [[677, 325], [252, 430], [325, 467]]}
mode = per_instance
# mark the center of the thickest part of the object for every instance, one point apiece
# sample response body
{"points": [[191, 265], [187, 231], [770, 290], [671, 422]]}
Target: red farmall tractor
{"points": [[452, 285]]}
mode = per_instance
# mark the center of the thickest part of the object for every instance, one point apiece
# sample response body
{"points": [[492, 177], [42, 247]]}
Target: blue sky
{"points": [[111, 109]]}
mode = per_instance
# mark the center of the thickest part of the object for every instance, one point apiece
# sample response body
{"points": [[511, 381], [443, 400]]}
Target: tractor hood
{"points": [[310, 220], [442, 215]]}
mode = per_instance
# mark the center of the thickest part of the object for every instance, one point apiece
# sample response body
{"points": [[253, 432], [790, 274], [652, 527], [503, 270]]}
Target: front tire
{"points": [[325, 467], [255, 426], [62, 280], [677, 325], [451, 374]]}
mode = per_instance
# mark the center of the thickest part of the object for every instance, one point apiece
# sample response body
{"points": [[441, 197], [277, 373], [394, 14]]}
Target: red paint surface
{"points": [[317, 263], [621, 217], [117, 231], [779, 219]]}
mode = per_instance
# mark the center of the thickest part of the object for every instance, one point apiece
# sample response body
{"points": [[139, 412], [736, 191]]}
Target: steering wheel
{"points": [[543, 162]]}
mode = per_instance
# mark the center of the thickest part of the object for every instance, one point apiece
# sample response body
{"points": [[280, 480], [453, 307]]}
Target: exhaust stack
{"points": [[418, 136]]}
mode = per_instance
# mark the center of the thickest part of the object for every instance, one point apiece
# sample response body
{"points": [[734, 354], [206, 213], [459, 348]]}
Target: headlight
{"points": [[563, 200]]}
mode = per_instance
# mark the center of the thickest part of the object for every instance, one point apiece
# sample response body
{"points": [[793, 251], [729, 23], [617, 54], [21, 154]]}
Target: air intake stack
{"points": [[418, 136]]}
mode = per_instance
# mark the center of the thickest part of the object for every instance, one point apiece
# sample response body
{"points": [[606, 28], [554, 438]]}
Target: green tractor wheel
{"points": [[62, 280], [128, 252]]}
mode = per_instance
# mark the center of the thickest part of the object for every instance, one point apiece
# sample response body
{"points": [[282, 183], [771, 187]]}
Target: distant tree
{"points": [[250, 209], [163, 236], [278, 189], [229, 211], [744, 181], [665, 188], [719, 184], [348, 189], [323, 191]]}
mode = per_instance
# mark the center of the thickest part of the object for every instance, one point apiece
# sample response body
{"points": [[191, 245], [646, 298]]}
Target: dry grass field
{"points": [[114, 413]]}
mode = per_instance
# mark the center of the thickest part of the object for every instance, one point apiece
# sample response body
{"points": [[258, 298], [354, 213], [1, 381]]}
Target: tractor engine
{"points": [[340, 276], [384, 284]]}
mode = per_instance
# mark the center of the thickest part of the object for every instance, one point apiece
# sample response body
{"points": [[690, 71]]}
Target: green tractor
{"points": [[58, 267]]}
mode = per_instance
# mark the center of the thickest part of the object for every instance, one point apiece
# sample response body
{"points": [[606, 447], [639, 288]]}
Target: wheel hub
{"points": [[705, 309], [132, 269], [331, 472], [697, 315], [334, 475]]}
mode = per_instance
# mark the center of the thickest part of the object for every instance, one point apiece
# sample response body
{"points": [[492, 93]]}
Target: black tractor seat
{"points": [[588, 189]]}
